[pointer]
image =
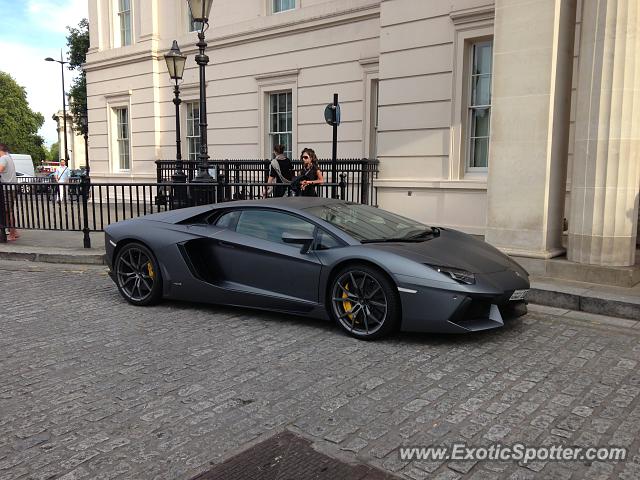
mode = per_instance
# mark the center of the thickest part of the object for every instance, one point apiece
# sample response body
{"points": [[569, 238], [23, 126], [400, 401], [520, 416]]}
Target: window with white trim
{"points": [[124, 21], [122, 138], [479, 104], [193, 130], [375, 110], [281, 121], [283, 5]]}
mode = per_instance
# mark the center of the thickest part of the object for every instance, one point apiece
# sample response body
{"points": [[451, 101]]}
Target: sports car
{"points": [[371, 271]]}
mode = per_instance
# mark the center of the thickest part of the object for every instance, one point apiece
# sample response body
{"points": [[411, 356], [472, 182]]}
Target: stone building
{"points": [[76, 141], [509, 119]]}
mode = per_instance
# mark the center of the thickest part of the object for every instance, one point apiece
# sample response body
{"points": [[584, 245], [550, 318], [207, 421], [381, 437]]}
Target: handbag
{"points": [[276, 168]]}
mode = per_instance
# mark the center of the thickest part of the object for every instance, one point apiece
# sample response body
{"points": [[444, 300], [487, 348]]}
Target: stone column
{"points": [[606, 170], [533, 59]]}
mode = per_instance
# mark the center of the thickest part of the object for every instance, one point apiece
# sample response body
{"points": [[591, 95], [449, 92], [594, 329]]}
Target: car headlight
{"points": [[461, 276]]}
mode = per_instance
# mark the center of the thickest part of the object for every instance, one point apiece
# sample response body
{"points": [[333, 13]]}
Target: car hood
{"points": [[451, 249]]}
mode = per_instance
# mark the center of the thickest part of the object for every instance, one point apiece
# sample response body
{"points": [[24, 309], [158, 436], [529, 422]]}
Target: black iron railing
{"points": [[358, 173], [89, 207]]}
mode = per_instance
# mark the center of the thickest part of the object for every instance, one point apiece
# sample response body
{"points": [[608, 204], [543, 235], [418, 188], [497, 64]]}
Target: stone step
{"points": [[592, 298]]}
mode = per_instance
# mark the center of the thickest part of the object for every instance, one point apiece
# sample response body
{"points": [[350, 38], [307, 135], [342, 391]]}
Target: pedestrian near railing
{"points": [[87, 207], [359, 173]]}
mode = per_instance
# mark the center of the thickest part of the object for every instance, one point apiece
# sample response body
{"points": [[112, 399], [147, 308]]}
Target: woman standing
{"points": [[310, 173]]}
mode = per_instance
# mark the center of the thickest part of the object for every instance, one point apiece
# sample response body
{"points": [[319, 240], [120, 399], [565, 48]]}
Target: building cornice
{"points": [[473, 15], [239, 34]]}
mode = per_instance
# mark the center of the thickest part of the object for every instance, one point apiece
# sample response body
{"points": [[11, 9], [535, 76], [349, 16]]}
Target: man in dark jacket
{"points": [[280, 171]]}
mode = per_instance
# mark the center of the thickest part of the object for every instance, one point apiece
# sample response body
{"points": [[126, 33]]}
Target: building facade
{"points": [[513, 119]]}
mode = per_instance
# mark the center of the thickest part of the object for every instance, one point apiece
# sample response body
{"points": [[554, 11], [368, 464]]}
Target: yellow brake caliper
{"points": [[150, 270], [346, 304]]}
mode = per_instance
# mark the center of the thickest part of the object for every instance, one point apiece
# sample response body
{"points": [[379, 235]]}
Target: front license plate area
{"points": [[518, 295]]}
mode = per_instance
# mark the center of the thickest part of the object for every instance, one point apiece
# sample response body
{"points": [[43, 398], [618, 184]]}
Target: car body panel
{"points": [[205, 263]]}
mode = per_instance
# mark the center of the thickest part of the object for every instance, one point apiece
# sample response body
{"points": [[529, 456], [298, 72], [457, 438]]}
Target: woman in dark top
{"points": [[310, 173], [280, 171]]}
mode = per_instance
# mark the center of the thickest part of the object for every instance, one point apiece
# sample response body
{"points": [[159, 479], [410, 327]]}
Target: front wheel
{"points": [[137, 275], [364, 302]]}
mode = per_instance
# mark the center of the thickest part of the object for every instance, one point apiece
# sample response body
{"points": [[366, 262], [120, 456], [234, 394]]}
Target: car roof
{"points": [[295, 203]]}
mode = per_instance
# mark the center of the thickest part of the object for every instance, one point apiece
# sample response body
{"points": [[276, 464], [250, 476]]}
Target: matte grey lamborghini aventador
{"points": [[368, 269]]}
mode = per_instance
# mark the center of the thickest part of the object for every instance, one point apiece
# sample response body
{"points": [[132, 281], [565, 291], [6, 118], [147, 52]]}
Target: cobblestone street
{"points": [[91, 387]]}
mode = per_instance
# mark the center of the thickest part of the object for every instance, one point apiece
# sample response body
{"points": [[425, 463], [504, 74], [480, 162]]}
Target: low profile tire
{"points": [[364, 302], [137, 275]]}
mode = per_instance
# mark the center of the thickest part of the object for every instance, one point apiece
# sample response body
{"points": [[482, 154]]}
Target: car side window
{"points": [[325, 241], [228, 220], [270, 225]]}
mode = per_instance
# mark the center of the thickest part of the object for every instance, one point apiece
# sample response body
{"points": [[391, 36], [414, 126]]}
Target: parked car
{"points": [[369, 270]]}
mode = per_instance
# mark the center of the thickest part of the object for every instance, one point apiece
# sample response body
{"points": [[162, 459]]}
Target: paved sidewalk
{"points": [[54, 247]]}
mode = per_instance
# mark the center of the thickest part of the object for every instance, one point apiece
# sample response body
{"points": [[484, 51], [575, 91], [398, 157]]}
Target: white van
{"points": [[24, 165]]}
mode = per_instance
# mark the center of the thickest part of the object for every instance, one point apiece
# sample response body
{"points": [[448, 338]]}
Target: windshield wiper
{"points": [[433, 231], [393, 240], [418, 237]]}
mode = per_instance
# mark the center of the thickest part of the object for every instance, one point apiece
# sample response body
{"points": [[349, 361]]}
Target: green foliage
{"points": [[53, 155], [78, 43], [18, 123]]}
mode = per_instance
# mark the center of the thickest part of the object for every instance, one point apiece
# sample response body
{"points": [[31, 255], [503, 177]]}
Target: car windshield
{"points": [[370, 224]]}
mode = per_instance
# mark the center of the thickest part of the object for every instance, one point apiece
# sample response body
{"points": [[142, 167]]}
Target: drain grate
{"points": [[287, 456]]}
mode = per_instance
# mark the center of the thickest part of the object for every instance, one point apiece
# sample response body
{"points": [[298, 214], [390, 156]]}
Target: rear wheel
{"points": [[364, 302], [138, 275]]}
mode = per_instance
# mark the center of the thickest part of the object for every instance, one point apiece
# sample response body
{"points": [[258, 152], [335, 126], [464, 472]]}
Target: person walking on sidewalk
{"points": [[8, 175], [62, 176]]}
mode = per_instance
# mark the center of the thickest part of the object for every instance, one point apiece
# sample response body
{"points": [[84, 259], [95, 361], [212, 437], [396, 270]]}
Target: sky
{"points": [[31, 31]]}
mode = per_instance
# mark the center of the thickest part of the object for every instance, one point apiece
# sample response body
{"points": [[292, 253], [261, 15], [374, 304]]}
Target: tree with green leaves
{"points": [[18, 123], [78, 43], [54, 152]]}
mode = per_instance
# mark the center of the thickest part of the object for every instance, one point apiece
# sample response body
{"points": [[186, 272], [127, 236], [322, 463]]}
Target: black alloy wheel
{"points": [[138, 275], [364, 302]]}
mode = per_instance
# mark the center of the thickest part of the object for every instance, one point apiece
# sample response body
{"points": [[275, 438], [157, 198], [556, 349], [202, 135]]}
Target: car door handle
{"points": [[222, 243]]}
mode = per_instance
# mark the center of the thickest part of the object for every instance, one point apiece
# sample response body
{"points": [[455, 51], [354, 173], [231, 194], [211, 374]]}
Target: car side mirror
{"points": [[303, 239]]}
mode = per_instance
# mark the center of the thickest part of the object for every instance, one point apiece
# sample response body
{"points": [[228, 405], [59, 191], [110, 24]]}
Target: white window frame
{"points": [[118, 40], [271, 134], [271, 6], [195, 122], [113, 102], [120, 152], [273, 83], [471, 26], [470, 107], [371, 106]]}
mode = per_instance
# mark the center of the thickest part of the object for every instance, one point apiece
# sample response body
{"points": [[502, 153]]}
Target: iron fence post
{"points": [[85, 186], [3, 234], [343, 186], [158, 171], [220, 187], [364, 185], [226, 178]]}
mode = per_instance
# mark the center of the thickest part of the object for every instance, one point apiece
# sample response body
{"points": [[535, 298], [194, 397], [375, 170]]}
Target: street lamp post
{"points": [[175, 65], [64, 105], [84, 126], [85, 181], [200, 10]]}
